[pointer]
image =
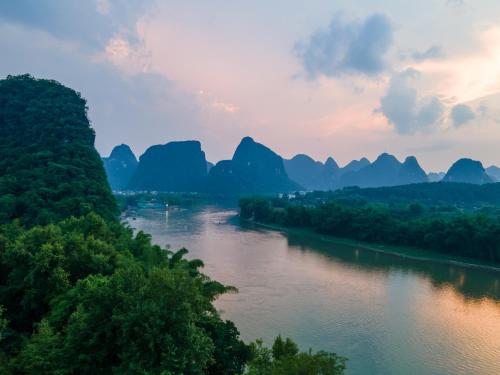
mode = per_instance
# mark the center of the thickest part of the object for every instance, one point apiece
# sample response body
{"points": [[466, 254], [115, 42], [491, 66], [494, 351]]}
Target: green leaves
{"points": [[284, 348], [91, 298], [49, 169], [285, 359]]}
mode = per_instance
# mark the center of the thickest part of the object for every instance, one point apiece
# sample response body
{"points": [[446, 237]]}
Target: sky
{"points": [[346, 79]]}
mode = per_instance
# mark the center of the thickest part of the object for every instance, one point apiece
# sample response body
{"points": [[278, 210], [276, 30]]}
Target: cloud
{"points": [[406, 110], [92, 47], [434, 52], [140, 109], [91, 22], [461, 114], [347, 48]]}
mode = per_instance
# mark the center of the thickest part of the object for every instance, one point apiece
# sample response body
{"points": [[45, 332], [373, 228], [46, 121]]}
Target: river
{"points": [[387, 314]]}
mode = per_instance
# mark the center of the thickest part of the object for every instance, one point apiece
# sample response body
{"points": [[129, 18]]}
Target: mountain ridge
{"points": [[255, 168]]}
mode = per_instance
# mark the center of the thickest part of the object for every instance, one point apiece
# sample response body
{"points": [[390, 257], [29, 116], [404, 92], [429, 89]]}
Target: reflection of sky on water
{"points": [[389, 315]]}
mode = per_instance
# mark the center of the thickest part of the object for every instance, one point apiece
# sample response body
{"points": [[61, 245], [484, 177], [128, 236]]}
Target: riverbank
{"points": [[403, 252]]}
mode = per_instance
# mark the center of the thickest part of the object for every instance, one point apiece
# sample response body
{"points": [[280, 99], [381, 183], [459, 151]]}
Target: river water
{"points": [[387, 314]]}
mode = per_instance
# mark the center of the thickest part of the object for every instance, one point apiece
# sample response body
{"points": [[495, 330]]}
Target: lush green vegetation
{"points": [[79, 292], [49, 168], [284, 358], [86, 296], [451, 194], [474, 235]]}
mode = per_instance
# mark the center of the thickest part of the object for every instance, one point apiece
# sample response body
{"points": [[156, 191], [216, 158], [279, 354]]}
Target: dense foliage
{"points": [[284, 358], [86, 296], [459, 195], [474, 235], [80, 293], [49, 168]]}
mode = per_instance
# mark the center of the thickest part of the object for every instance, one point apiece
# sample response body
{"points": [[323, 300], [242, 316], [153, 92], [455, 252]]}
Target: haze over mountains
{"points": [[386, 170], [254, 168]]}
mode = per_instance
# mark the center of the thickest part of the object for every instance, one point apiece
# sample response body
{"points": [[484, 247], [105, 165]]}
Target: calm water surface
{"points": [[388, 315]]}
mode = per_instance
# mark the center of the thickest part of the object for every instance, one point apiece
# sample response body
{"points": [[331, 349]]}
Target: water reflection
{"points": [[471, 283], [389, 315]]}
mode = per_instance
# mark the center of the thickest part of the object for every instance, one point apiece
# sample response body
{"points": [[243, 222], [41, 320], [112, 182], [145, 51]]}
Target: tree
{"points": [[284, 348], [285, 359]]}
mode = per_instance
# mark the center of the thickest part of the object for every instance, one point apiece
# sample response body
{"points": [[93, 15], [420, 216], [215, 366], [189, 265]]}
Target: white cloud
{"points": [[347, 47], [462, 114], [406, 109]]}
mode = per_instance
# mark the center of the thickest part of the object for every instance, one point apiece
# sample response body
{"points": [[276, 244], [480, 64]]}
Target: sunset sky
{"points": [[328, 78]]}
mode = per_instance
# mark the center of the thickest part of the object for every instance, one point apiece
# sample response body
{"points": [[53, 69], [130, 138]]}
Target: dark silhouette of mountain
{"points": [[254, 168], [175, 166], [120, 166], [493, 172], [331, 173], [209, 166], [435, 176], [411, 172], [312, 174], [468, 171], [306, 172], [331, 165], [356, 165], [385, 171]]}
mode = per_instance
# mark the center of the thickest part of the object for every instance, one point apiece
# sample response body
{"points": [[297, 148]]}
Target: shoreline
{"points": [[421, 255]]}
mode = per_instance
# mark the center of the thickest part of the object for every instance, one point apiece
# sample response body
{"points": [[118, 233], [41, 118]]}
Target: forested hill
{"points": [[460, 195], [49, 168]]}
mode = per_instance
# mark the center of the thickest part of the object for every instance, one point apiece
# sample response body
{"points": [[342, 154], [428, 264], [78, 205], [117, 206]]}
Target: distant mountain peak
{"points": [[385, 157], [253, 168], [247, 139], [303, 157], [410, 160], [120, 151], [124, 154], [120, 166], [330, 164], [493, 172], [468, 171], [174, 166], [411, 172], [356, 165], [386, 170]]}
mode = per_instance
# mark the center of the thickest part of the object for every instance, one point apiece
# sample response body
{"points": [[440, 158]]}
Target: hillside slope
{"points": [[49, 168]]}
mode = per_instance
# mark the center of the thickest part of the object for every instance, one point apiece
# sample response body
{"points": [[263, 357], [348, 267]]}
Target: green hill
{"points": [[49, 168]]}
